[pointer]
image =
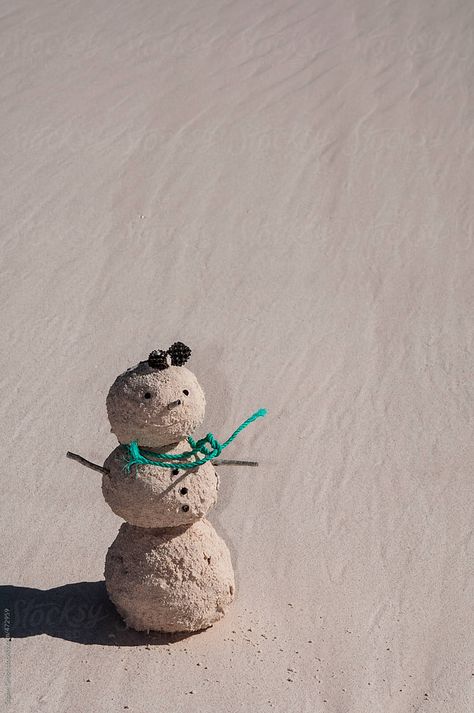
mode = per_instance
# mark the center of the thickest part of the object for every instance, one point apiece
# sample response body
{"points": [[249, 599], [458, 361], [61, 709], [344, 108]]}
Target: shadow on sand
{"points": [[79, 612]]}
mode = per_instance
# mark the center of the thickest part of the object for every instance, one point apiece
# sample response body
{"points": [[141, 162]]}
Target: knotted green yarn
{"points": [[203, 450]]}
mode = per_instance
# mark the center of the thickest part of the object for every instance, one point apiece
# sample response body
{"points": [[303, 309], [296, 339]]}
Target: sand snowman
{"points": [[167, 570]]}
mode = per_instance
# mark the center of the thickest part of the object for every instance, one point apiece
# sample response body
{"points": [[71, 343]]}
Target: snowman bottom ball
{"points": [[171, 580]]}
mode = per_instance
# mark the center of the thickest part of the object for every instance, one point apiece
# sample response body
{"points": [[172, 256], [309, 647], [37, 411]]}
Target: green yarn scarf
{"points": [[202, 451]]}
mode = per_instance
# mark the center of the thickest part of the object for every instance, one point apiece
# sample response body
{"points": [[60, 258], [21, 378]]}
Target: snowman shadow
{"points": [[80, 612]]}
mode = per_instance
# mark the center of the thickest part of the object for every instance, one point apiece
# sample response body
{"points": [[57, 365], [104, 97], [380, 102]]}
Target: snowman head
{"points": [[158, 402]]}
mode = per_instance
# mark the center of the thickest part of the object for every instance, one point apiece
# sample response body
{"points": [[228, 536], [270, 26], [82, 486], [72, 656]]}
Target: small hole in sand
{"points": [[185, 508], [231, 590], [208, 560], [175, 471], [183, 491], [185, 392], [148, 395]]}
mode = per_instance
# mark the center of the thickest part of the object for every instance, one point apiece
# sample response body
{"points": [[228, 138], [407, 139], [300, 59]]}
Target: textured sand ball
{"points": [[138, 405], [149, 496], [176, 579]]}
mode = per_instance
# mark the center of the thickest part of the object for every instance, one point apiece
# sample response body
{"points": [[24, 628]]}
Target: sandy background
{"points": [[286, 187]]}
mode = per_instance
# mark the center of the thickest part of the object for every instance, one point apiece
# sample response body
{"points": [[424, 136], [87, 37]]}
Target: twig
{"points": [[87, 463], [101, 469], [252, 463]]}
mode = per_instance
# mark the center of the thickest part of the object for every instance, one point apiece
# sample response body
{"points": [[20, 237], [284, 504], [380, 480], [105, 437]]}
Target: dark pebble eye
{"points": [[148, 395], [185, 508], [185, 392], [183, 491], [175, 471]]}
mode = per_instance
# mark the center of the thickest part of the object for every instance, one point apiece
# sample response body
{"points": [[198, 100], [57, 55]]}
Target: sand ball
{"points": [[170, 580], [155, 407], [149, 496]]}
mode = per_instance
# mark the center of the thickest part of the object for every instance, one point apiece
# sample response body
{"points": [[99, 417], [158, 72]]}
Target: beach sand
{"points": [[287, 188]]}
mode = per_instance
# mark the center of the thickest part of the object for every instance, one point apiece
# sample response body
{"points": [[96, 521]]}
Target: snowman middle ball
{"points": [[149, 496]]}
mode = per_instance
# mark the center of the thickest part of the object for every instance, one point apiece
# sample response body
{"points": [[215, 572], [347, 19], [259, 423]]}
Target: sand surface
{"points": [[287, 188]]}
